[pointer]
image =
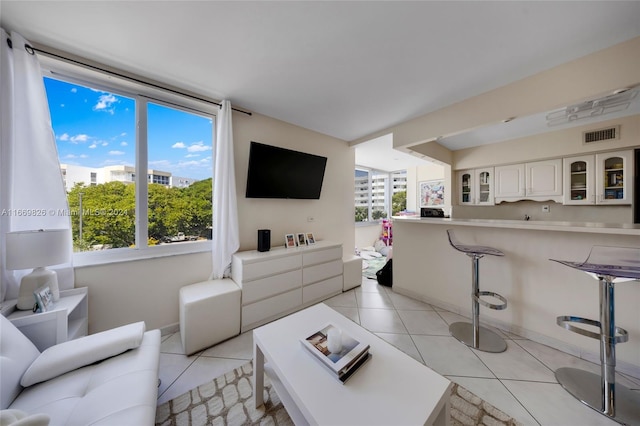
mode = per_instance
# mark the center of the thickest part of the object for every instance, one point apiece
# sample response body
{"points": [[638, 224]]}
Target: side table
{"points": [[66, 320]]}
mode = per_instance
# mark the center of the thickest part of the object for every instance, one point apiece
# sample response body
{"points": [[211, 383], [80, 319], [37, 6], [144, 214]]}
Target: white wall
{"points": [[147, 290]]}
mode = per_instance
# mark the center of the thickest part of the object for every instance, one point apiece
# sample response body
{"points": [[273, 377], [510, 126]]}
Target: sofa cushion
{"points": [[68, 356], [121, 390], [20, 418], [16, 355]]}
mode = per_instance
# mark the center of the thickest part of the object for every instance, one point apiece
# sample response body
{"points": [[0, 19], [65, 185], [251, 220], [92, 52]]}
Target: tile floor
{"points": [[519, 381]]}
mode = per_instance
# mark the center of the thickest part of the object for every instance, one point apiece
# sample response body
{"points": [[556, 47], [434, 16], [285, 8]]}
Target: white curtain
{"points": [[225, 207], [32, 193]]}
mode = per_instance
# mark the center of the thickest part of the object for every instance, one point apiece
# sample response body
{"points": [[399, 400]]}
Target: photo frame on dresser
{"points": [[301, 240], [310, 238], [289, 241], [43, 299]]}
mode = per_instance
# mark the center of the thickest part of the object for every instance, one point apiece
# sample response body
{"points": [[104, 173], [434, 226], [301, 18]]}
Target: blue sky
{"points": [[94, 128]]}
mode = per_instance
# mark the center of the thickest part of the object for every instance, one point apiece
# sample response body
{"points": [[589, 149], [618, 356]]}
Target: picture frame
{"points": [[301, 239], [310, 238], [43, 298], [289, 241], [431, 193]]}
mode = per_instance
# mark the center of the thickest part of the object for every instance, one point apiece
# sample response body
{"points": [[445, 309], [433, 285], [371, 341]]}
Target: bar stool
{"points": [[472, 334], [608, 265]]}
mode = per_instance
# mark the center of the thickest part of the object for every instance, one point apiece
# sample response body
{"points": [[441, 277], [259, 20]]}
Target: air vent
{"points": [[600, 135]]}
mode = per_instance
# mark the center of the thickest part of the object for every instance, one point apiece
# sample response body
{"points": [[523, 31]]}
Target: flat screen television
{"points": [[276, 172]]}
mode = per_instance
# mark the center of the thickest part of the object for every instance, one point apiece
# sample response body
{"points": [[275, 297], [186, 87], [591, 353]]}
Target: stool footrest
{"points": [[490, 305], [565, 320]]}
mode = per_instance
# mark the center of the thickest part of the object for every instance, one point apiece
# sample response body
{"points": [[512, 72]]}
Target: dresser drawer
{"points": [[320, 272], [273, 306], [252, 271], [321, 256], [321, 290], [267, 287]]}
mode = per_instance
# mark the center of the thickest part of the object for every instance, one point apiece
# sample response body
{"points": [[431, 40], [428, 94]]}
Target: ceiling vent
{"points": [[610, 133]]}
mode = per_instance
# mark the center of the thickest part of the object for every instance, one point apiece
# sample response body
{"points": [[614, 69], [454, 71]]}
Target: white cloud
{"points": [[123, 143], [84, 156], [191, 155], [64, 137], [123, 134], [116, 152], [93, 146], [61, 105], [178, 145], [79, 138], [104, 144], [105, 103], [74, 90], [70, 156], [198, 147]]}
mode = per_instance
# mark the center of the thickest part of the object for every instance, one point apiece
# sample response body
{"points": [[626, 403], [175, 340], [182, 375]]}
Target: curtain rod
{"points": [[32, 49]]}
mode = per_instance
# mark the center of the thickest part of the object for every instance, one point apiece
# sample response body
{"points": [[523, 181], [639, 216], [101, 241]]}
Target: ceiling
{"points": [[345, 69]]}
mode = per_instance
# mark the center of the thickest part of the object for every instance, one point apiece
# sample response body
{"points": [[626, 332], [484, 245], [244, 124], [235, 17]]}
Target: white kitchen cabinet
{"points": [[614, 177], [283, 280], [579, 181], [537, 181], [603, 178], [475, 187]]}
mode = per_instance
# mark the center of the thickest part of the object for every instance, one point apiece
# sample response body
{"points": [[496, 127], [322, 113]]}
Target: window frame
{"points": [[388, 193], [142, 94]]}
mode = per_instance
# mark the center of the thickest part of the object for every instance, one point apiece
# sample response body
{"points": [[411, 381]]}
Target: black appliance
{"points": [[264, 239], [431, 212]]}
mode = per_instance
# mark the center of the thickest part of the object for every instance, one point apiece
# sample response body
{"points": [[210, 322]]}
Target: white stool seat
{"points": [[351, 272], [209, 313]]}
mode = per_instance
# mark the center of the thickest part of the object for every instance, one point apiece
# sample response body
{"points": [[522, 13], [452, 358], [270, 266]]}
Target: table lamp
{"points": [[37, 249]]}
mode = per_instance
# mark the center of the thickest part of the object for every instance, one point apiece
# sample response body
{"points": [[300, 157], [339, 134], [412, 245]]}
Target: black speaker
{"points": [[264, 239], [431, 212]]}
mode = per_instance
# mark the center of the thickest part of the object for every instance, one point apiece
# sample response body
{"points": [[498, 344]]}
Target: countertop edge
{"points": [[584, 227]]}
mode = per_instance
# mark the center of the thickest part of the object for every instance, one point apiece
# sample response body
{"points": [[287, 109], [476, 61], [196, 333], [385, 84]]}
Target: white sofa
{"points": [[107, 378]]}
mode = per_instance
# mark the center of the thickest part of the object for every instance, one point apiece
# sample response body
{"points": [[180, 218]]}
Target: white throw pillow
{"points": [[74, 354], [20, 418]]}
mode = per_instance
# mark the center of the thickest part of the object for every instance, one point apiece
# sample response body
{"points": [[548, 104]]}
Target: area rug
{"points": [[228, 401], [374, 265]]}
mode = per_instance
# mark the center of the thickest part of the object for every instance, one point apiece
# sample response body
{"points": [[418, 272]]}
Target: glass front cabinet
{"points": [[603, 178], [475, 187]]}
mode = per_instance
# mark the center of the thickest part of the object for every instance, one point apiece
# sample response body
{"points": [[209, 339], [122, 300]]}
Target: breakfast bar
{"points": [[426, 267]]}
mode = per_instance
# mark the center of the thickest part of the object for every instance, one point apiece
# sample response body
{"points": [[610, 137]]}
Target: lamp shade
{"points": [[38, 248]]}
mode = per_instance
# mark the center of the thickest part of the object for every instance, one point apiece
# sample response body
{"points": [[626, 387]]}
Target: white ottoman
{"points": [[351, 272], [209, 313]]}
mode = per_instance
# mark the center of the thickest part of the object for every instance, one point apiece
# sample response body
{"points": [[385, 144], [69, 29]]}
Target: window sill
{"points": [[376, 222], [104, 257]]}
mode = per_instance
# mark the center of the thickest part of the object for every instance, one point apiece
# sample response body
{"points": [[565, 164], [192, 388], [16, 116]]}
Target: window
{"points": [[377, 193], [101, 152]]}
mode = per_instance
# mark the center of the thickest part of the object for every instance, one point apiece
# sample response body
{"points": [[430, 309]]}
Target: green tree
{"points": [[398, 202], [362, 214], [378, 214]]}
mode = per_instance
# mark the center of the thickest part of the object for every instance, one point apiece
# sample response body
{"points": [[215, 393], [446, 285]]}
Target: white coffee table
{"points": [[390, 389]]}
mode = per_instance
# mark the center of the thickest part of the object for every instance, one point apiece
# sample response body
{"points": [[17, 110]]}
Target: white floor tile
{"points": [[424, 322], [496, 394], [172, 345], [516, 363], [401, 301], [240, 347], [404, 342], [347, 299], [382, 321], [447, 356], [171, 367], [373, 300], [371, 286], [450, 317], [351, 313], [202, 370], [550, 404]]}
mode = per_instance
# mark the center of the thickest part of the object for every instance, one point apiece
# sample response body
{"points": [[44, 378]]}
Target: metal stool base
{"points": [[587, 388], [488, 341]]}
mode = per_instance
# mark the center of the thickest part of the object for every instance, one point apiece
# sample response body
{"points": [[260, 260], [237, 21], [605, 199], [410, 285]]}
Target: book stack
{"points": [[347, 356]]}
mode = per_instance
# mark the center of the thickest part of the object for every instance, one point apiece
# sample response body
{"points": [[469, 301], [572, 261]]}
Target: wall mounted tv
{"points": [[276, 172]]}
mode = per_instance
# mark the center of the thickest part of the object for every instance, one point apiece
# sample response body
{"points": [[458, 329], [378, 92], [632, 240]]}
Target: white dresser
{"points": [[283, 280]]}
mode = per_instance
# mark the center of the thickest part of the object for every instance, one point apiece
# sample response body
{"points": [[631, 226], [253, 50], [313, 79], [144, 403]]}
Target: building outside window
{"points": [[101, 152], [374, 193]]}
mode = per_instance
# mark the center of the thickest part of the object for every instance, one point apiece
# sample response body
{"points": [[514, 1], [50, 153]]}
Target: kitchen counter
{"points": [[588, 227], [538, 290]]}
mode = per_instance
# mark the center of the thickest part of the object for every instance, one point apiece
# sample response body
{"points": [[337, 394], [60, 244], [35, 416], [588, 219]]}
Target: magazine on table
{"points": [[345, 358]]}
